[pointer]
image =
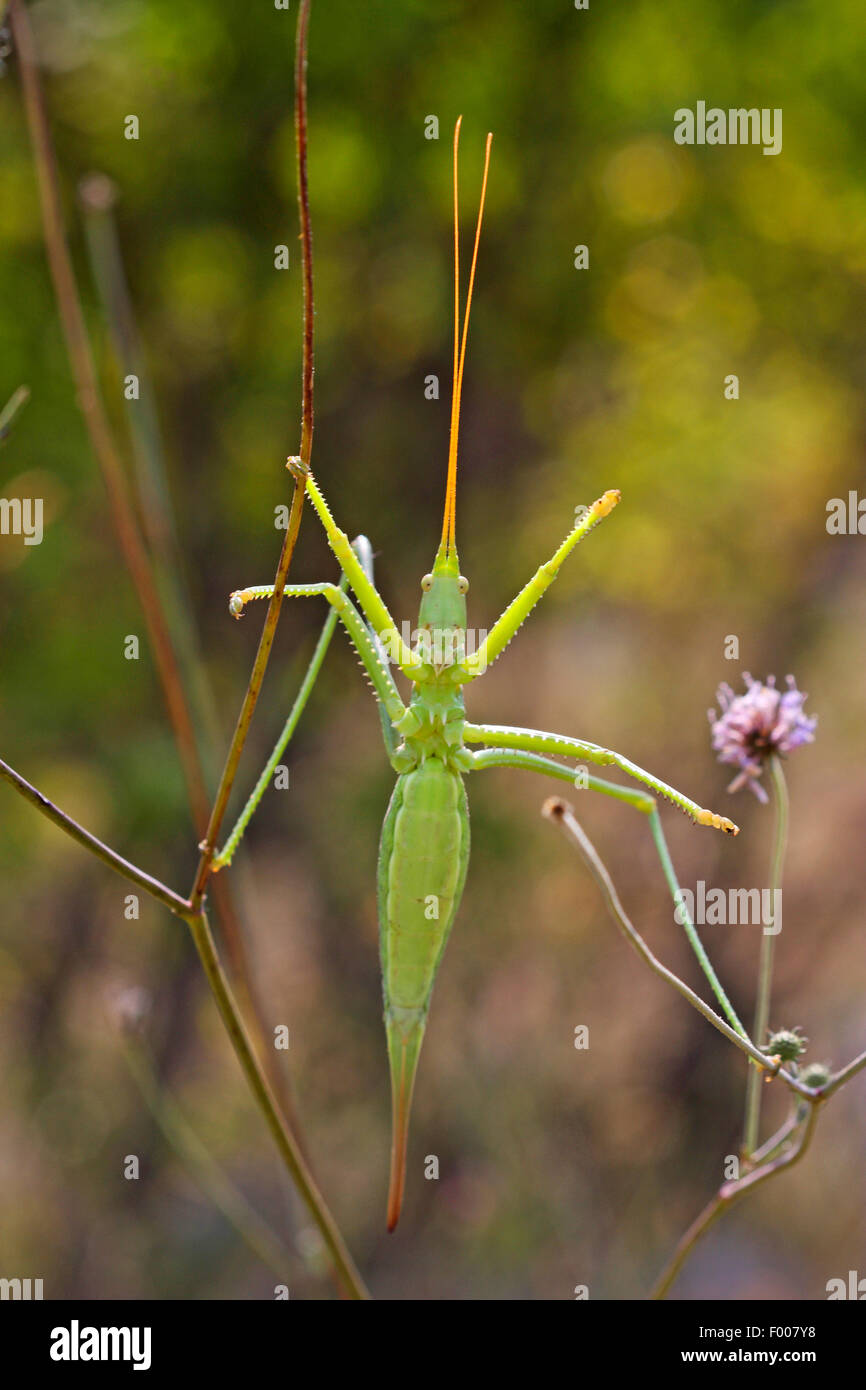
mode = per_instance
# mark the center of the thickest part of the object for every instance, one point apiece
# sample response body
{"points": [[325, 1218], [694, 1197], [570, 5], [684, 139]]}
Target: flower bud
{"points": [[816, 1075], [786, 1044]]}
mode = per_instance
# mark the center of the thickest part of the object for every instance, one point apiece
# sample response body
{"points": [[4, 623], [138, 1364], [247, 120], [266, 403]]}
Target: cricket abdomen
{"points": [[422, 869]]}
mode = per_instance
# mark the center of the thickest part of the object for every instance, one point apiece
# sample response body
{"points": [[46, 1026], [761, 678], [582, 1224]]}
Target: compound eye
{"points": [[427, 583], [463, 585]]}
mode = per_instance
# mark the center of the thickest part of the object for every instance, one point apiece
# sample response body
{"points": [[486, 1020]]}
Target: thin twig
{"points": [[783, 1133], [158, 890], [92, 407], [840, 1077], [306, 233], [561, 813], [97, 196], [135, 554], [132, 545], [18, 399], [727, 1195], [206, 1172], [258, 1083], [254, 1072], [266, 640]]}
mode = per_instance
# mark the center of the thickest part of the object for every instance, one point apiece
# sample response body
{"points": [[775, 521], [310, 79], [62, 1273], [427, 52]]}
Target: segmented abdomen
{"points": [[422, 869]]}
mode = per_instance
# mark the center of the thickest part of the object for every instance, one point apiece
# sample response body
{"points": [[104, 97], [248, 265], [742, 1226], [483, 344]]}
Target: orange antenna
{"points": [[449, 519], [455, 421]]}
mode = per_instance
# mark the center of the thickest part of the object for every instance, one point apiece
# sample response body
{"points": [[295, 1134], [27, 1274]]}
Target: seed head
{"points": [[816, 1075], [787, 1044]]}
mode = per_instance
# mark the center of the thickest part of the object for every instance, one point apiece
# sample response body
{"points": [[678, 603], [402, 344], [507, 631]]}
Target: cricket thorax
{"points": [[432, 726]]}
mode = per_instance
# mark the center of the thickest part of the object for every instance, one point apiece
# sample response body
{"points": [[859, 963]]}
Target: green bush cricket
{"points": [[424, 849]]}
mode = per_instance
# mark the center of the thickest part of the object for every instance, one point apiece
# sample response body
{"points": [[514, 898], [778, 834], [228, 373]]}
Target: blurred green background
{"points": [[558, 1167]]}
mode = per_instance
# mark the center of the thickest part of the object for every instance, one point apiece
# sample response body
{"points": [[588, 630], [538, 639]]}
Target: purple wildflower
{"points": [[753, 726]]}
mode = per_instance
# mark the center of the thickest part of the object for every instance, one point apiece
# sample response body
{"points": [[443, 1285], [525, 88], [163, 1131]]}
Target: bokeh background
{"points": [[557, 1167]]}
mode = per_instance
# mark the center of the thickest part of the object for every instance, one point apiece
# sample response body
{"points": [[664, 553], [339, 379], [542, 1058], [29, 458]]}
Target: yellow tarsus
{"points": [[717, 822], [604, 505]]}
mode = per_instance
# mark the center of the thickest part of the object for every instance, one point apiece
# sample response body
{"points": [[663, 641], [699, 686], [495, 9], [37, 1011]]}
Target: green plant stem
{"points": [[765, 964], [690, 930]]}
